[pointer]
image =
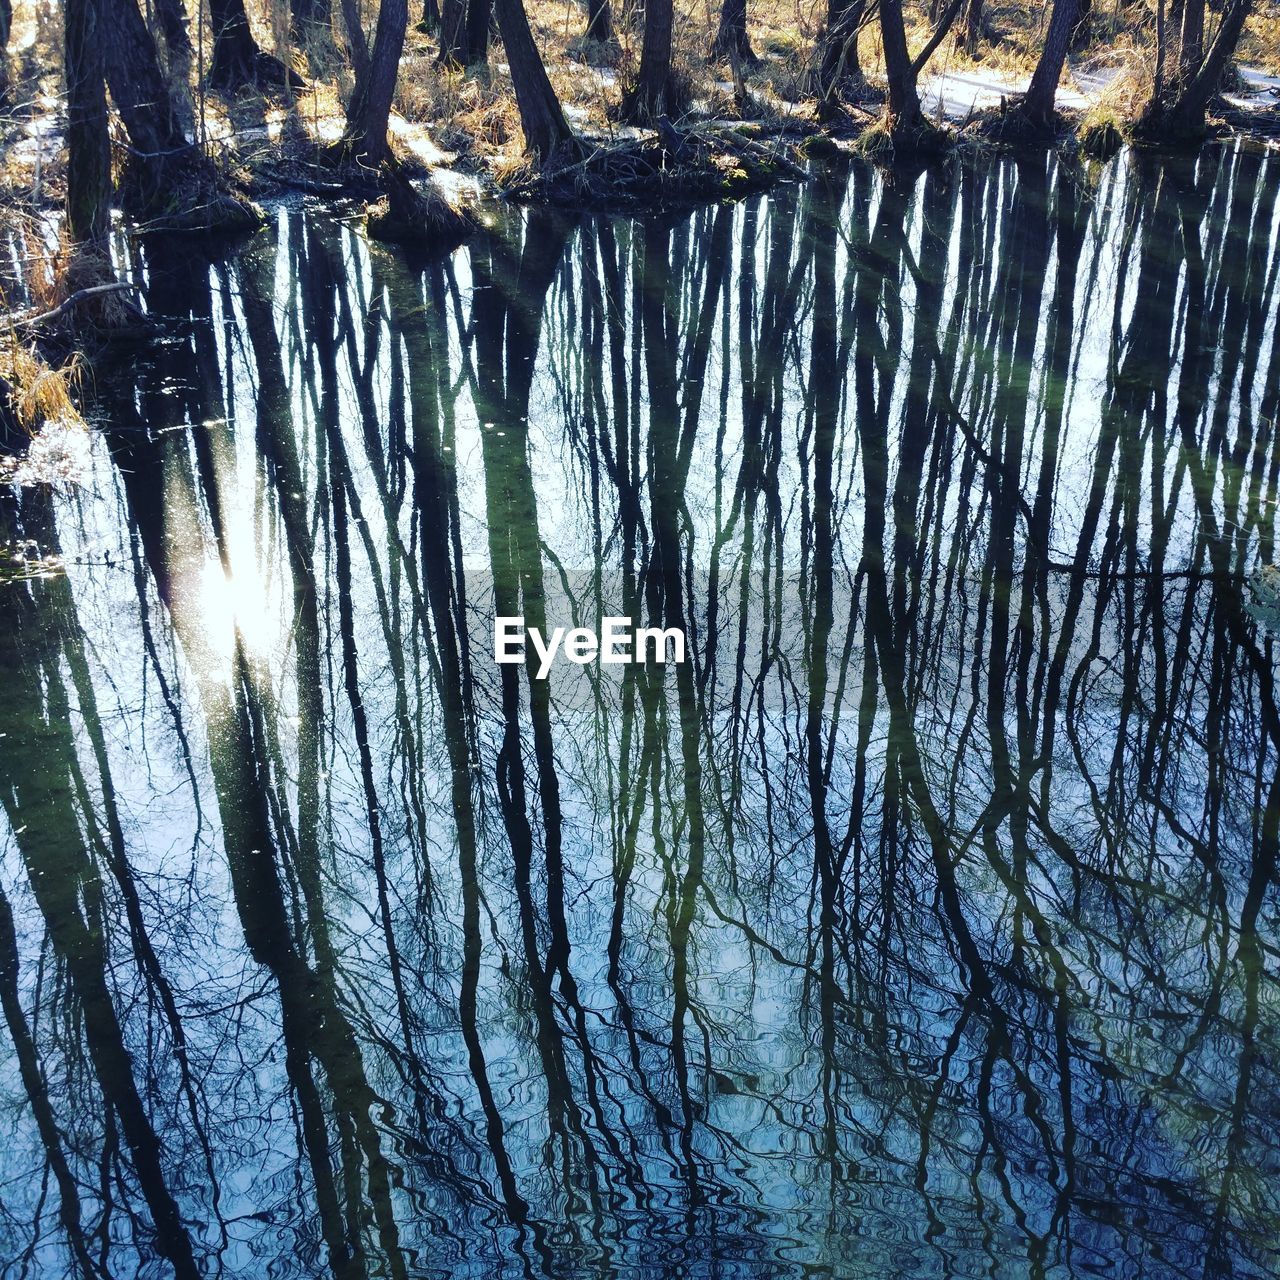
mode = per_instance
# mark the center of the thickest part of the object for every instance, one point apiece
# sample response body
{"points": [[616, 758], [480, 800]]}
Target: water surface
{"points": [[924, 924]]}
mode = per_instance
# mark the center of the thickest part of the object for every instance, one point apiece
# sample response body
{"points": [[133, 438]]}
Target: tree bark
{"points": [[464, 32], [904, 100], [1082, 24], [731, 35], [546, 130], [370, 107], [310, 23], [6, 27], [430, 20], [838, 61], [599, 20], [138, 86], [648, 98], [1190, 40], [237, 61], [171, 19], [88, 145], [357, 45], [1043, 90], [1184, 116], [970, 33]]}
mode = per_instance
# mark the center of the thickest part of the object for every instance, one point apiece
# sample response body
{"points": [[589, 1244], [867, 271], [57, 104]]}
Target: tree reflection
{"points": [[921, 924]]}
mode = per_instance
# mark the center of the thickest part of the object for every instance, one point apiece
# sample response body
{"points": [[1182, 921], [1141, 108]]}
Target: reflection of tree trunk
{"points": [[68, 892], [37, 1091]]}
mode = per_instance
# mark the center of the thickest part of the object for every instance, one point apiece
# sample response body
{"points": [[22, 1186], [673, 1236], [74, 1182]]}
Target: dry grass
{"points": [[38, 393], [1260, 45]]}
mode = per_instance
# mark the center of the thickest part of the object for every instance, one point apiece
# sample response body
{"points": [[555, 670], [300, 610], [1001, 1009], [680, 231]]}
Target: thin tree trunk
{"points": [[370, 108], [648, 98], [838, 62], [904, 100], [88, 145], [1043, 90], [171, 20], [357, 45], [464, 32], [430, 20], [1082, 24], [731, 36], [599, 20], [546, 130], [970, 34], [310, 23], [1190, 40], [6, 27], [1183, 117]]}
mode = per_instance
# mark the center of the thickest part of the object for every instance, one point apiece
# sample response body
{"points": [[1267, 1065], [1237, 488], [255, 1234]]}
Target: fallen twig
{"points": [[74, 299]]}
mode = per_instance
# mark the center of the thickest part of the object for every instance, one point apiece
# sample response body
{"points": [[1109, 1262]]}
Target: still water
{"points": [[923, 924]]}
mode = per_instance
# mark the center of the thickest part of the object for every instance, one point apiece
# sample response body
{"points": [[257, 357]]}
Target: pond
{"points": [[921, 923]]}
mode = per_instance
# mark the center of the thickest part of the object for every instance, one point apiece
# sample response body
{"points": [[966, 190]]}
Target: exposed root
{"points": [[1101, 139], [889, 143], [672, 169], [184, 193], [1009, 125], [421, 217]]}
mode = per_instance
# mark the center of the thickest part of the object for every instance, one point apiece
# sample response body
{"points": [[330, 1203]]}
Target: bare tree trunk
{"points": [[1183, 116], [171, 19], [838, 61], [464, 32], [310, 23], [1190, 40], [599, 20], [88, 146], [370, 107], [1082, 24], [138, 86], [904, 101], [357, 45], [970, 33], [479, 13], [1043, 90], [430, 20], [731, 36], [6, 27], [237, 61], [648, 97], [546, 131], [167, 175]]}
